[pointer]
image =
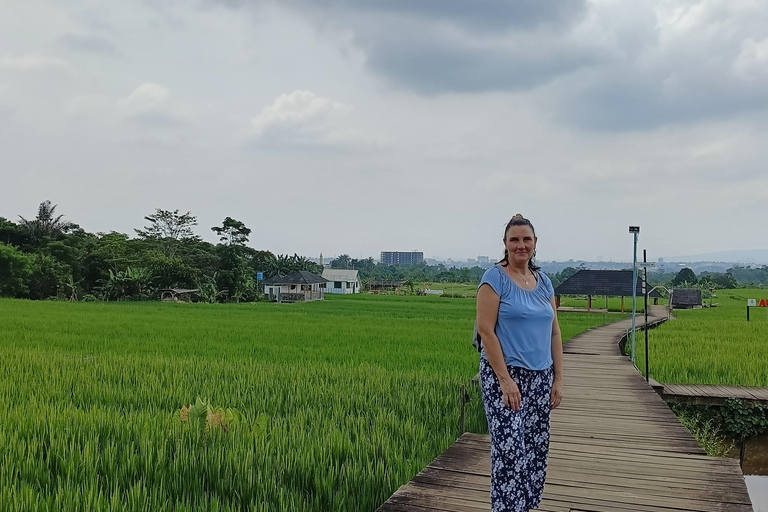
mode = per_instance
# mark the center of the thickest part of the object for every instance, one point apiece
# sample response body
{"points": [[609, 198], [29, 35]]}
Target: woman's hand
{"points": [[510, 394], [557, 394]]}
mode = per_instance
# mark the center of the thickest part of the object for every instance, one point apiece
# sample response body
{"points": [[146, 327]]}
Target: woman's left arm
{"points": [[557, 360]]}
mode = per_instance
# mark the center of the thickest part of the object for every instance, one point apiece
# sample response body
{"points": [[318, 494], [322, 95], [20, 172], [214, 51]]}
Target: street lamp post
{"points": [[635, 230]]}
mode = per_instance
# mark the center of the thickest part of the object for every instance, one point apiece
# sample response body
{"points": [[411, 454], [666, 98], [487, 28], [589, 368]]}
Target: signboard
{"points": [[756, 303], [259, 276], [646, 264]]}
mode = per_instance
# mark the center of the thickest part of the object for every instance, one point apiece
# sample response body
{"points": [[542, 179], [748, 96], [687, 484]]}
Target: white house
{"points": [[341, 281]]}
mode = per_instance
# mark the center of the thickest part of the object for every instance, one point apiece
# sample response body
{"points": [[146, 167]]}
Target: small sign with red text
{"points": [[757, 303]]}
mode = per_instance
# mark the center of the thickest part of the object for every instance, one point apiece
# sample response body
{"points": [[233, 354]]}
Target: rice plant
{"points": [[308, 407], [712, 345]]}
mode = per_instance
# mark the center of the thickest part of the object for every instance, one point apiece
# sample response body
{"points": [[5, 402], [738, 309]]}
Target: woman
{"points": [[521, 370]]}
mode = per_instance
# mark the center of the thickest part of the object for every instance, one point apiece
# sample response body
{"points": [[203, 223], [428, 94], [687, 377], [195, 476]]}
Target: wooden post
{"points": [[557, 300], [655, 301], [589, 303], [622, 303]]}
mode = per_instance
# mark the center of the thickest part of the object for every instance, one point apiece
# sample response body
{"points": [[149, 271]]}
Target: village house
{"points": [[341, 281]]}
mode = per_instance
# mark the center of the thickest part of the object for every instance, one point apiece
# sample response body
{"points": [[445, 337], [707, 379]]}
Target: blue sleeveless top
{"points": [[524, 324]]}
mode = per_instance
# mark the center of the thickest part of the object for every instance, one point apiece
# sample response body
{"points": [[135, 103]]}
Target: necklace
{"points": [[525, 279]]}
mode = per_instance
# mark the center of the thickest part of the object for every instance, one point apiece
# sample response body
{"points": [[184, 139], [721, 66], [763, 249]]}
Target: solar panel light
{"points": [[634, 229]]}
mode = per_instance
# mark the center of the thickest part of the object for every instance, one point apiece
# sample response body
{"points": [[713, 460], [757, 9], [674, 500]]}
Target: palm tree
{"points": [[46, 225]]}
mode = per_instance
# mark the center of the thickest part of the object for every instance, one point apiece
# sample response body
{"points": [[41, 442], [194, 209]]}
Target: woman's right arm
{"points": [[487, 314]]}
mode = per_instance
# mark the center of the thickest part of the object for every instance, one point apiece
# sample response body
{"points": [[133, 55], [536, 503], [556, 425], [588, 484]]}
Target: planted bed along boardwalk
{"points": [[615, 446]]}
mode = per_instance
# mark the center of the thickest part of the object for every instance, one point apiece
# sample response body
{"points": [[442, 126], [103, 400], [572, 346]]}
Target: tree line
{"points": [[51, 257]]}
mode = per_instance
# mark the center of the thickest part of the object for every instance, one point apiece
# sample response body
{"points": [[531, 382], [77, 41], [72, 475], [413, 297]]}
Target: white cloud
{"points": [[303, 118], [752, 62], [34, 62], [150, 103], [299, 110], [147, 96]]}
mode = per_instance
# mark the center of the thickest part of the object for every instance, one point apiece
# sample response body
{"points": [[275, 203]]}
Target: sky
{"points": [[363, 126]]}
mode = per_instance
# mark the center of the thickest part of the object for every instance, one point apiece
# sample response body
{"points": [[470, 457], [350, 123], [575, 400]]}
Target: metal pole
{"points": [[645, 307], [634, 295]]}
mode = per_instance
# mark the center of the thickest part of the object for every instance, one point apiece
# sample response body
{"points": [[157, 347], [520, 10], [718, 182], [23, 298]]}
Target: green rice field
{"points": [[711, 345], [342, 401]]}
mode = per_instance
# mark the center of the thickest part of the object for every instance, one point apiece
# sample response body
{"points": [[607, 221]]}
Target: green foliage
{"points": [[209, 419], [735, 419], [352, 397], [168, 229], [48, 277], [128, 284], [232, 232], [46, 225], [685, 275], [15, 270], [754, 277], [704, 427]]}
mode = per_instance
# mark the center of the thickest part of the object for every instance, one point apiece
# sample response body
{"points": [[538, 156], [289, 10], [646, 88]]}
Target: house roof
{"points": [[300, 277], [686, 297], [616, 283], [335, 274]]}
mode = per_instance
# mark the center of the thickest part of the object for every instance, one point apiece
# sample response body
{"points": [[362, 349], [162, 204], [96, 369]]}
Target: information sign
{"points": [[756, 303]]}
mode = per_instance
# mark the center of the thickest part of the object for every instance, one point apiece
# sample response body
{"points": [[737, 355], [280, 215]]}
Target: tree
{"points": [[15, 269], [169, 228], [343, 261], [13, 234], [232, 232], [46, 224], [49, 277], [685, 275]]}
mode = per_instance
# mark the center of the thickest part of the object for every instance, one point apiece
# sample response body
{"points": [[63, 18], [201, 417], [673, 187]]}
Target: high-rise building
{"points": [[401, 258]]}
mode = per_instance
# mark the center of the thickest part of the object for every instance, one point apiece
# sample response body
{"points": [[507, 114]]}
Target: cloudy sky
{"points": [[342, 126]]}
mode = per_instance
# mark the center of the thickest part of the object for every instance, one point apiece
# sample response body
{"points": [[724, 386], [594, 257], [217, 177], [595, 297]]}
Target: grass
{"points": [[712, 345], [360, 393]]}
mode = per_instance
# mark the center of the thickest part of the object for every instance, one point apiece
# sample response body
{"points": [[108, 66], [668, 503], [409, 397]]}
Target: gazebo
{"points": [[685, 298], [301, 286], [610, 283]]}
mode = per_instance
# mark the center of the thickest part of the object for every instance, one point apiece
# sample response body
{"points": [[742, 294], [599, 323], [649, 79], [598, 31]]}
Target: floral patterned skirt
{"points": [[519, 439]]}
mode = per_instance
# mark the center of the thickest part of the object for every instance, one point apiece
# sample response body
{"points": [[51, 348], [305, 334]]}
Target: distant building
{"points": [[401, 258], [483, 260], [341, 281]]}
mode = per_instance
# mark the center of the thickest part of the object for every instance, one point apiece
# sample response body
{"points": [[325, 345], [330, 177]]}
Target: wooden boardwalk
{"points": [[615, 446], [709, 395]]}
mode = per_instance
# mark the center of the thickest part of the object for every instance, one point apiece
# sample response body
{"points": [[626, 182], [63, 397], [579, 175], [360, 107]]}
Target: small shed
{"points": [[341, 281], [301, 286], [382, 286], [177, 294], [685, 298], [608, 283]]}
